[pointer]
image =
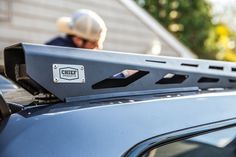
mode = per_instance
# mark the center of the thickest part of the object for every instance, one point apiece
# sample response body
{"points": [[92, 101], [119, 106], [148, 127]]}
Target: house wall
{"points": [[34, 21]]}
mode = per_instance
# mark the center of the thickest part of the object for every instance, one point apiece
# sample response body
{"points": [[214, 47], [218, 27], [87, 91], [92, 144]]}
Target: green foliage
{"points": [[188, 20]]}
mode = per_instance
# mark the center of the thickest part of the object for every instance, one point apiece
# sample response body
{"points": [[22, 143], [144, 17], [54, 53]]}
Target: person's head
{"points": [[86, 28]]}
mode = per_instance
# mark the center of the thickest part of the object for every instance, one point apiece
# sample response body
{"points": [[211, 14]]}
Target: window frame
{"points": [[147, 145]]}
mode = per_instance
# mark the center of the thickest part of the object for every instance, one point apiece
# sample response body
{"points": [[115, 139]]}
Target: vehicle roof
{"points": [[69, 129], [6, 85]]}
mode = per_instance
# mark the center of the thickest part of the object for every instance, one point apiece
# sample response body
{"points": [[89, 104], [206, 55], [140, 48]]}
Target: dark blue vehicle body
{"points": [[112, 126], [6, 85], [111, 130]]}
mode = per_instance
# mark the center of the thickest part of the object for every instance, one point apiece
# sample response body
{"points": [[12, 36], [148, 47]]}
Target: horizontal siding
{"points": [[132, 49], [3, 10], [13, 33], [168, 51], [115, 21], [50, 27], [71, 5], [39, 25], [3, 5], [53, 11], [2, 45], [35, 36], [34, 21]]}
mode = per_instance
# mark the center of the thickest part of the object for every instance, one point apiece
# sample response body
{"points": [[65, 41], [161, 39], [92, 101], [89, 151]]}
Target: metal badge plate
{"points": [[67, 73]]}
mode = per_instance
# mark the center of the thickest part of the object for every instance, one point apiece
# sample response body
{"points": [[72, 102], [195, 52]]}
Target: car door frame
{"points": [[147, 145]]}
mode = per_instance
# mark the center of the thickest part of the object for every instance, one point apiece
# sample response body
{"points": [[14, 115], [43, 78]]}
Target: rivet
{"points": [[55, 80]]}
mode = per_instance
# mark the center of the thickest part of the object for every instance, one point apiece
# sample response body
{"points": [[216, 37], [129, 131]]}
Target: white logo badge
{"points": [[67, 73]]}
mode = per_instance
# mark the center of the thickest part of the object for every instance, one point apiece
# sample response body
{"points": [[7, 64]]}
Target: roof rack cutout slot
{"points": [[232, 81], [121, 79], [233, 69], [155, 61], [208, 80], [172, 79], [189, 65], [216, 67]]}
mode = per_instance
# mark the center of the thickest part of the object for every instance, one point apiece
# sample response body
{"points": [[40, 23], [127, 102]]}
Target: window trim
{"points": [[143, 147]]}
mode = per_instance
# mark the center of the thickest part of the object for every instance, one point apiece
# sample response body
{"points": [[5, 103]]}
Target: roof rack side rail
{"points": [[69, 73]]}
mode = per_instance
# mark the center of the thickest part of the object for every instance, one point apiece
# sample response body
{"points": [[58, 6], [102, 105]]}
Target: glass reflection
{"points": [[217, 144]]}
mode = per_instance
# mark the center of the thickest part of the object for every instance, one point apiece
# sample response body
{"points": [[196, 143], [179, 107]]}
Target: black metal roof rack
{"points": [[77, 74]]}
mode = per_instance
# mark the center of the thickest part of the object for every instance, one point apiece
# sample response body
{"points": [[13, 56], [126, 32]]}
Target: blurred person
{"points": [[84, 29]]}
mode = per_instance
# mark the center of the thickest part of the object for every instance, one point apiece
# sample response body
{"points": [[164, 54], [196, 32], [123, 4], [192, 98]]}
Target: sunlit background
{"points": [[207, 27]]}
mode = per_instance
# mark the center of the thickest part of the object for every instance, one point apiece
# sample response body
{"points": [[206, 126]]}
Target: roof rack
{"points": [[78, 74]]}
